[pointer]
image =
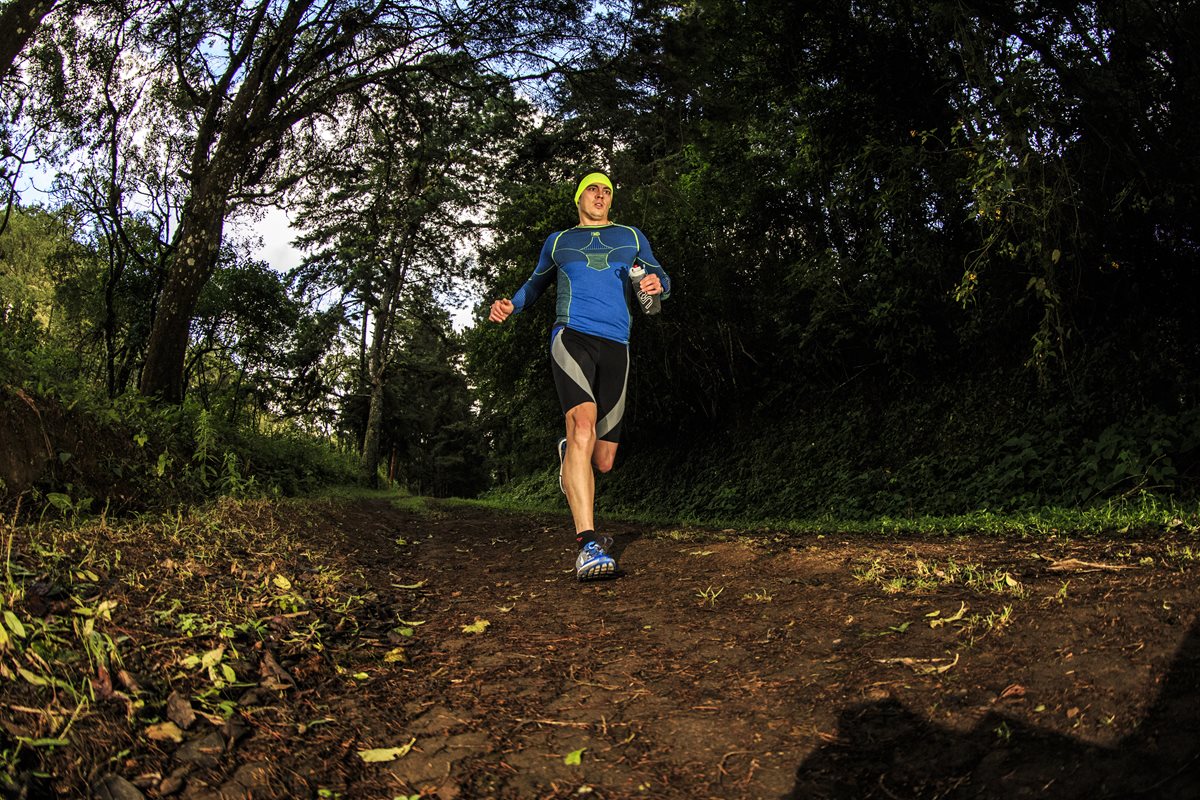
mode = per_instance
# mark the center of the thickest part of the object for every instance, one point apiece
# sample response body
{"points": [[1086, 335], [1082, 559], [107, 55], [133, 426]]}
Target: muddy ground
{"points": [[717, 665]]}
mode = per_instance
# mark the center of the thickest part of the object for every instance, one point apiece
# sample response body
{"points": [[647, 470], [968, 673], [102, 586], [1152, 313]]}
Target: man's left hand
{"points": [[651, 284]]}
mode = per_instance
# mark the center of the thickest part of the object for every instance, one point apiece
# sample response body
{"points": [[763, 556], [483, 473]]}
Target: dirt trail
{"points": [[721, 666], [773, 667]]}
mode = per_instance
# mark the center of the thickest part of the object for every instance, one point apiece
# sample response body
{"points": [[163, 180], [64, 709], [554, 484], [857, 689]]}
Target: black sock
{"points": [[583, 537]]}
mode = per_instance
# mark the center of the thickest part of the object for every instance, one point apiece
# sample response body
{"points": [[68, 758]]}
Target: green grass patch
{"points": [[922, 575], [1145, 514]]}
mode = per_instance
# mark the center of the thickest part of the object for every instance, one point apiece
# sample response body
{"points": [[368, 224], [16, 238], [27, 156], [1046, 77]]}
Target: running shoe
{"points": [[562, 456], [593, 563]]}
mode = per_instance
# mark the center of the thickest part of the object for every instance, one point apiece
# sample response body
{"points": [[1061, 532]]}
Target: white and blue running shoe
{"points": [[593, 563], [562, 456]]}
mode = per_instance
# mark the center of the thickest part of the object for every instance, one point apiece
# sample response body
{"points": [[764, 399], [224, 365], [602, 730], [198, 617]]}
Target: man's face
{"points": [[594, 203]]}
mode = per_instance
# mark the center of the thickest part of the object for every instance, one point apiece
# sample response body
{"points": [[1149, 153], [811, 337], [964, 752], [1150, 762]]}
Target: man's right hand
{"points": [[500, 310]]}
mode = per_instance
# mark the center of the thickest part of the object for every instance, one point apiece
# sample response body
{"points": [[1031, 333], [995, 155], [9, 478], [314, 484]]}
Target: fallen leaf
{"points": [[165, 731], [478, 626], [416, 585], [1013, 690], [212, 657], [215, 719], [925, 666], [1075, 565], [102, 683], [946, 667], [937, 623], [396, 656], [382, 754], [574, 758]]}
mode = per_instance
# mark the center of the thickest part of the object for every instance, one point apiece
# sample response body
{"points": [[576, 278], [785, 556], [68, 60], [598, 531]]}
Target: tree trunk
{"points": [[370, 451], [195, 258], [227, 137], [18, 21], [377, 359], [109, 323], [376, 366]]}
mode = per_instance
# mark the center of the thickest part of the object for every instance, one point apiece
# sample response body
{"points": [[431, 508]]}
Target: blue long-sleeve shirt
{"points": [[592, 265]]}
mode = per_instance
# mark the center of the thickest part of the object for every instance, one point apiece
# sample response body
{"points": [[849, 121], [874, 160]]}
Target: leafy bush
{"points": [[130, 454], [933, 451], [292, 462]]}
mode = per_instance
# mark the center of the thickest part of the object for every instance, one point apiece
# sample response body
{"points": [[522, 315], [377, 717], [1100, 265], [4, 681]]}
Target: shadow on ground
{"points": [[883, 750], [621, 541]]}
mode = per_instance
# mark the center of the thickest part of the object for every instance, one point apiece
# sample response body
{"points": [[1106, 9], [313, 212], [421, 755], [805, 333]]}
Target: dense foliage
{"points": [[927, 256], [134, 140]]}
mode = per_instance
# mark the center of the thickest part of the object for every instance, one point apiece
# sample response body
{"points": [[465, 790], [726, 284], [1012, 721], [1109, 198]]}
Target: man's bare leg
{"points": [[603, 455], [578, 480], [584, 451]]}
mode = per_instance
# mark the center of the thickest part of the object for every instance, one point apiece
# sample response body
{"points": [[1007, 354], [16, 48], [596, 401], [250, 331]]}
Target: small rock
{"points": [[174, 782], [205, 751], [148, 780], [250, 780], [131, 682], [114, 787], [179, 711], [274, 676], [234, 729], [254, 697]]}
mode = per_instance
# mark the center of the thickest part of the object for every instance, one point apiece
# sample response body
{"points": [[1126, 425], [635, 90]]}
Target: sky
{"points": [[273, 228], [277, 234]]}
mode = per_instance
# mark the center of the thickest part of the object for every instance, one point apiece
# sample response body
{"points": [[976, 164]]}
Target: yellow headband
{"points": [[595, 177]]}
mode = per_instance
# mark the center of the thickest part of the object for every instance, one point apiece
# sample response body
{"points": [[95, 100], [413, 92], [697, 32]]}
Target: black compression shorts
{"points": [[588, 369]]}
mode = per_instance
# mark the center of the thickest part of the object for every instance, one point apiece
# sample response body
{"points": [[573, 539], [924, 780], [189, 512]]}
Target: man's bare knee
{"points": [[582, 431]]}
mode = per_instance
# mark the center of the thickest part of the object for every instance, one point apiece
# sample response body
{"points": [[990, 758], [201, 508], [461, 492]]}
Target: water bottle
{"points": [[650, 303]]}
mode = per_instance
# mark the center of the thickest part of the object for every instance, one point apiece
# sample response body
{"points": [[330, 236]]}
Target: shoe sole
{"points": [[605, 570], [562, 457]]}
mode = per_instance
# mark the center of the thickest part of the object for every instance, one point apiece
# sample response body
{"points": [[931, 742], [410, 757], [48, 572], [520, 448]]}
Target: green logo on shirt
{"points": [[596, 252]]}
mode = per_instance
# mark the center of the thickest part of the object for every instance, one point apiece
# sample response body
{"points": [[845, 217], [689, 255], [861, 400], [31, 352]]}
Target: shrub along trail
{"points": [[359, 650]]}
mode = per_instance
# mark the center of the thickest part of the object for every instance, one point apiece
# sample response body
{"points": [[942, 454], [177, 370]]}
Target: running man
{"points": [[589, 348]]}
